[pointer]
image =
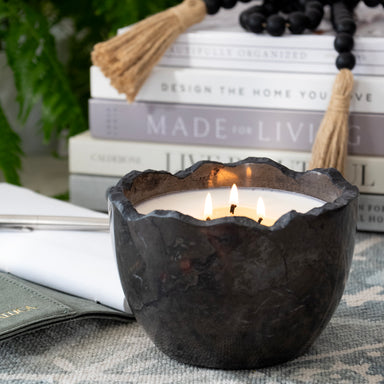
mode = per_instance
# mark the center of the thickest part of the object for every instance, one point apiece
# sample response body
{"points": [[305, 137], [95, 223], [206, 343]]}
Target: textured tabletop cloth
{"points": [[350, 350]]}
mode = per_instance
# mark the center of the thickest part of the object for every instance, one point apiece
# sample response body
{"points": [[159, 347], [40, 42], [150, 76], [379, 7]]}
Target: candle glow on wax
{"points": [[276, 203], [236, 209]]}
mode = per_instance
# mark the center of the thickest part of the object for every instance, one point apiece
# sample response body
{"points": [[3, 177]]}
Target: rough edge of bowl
{"points": [[349, 192]]}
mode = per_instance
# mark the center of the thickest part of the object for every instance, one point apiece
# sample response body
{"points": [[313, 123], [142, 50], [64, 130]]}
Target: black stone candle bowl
{"points": [[231, 293]]}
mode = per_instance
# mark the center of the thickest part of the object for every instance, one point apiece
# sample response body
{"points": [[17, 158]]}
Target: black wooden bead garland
{"points": [[345, 27], [275, 16]]}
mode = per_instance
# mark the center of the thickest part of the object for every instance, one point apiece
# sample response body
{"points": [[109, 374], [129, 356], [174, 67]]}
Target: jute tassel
{"points": [[128, 59], [331, 144]]}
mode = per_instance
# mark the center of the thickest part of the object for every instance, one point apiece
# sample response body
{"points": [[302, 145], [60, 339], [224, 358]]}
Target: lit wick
{"points": [[233, 199], [260, 210], [208, 207]]}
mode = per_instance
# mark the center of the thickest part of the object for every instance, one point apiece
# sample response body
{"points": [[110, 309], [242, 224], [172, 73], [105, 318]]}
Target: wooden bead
{"points": [[243, 20], [314, 18], [351, 4], [345, 25], [228, 4], [341, 14], [314, 4], [371, 3], [212, 6], [275, 25], [340, 10], [297, 22], [256, 22], [244, 15], [345, 60], [342, 18], [343, 42]]}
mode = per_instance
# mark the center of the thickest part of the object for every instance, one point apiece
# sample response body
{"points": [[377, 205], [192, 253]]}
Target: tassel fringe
{"points": [[331, 144], [128, 59]]}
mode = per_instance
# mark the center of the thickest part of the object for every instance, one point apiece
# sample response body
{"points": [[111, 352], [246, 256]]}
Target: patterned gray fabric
{"points": [[350, 350]]}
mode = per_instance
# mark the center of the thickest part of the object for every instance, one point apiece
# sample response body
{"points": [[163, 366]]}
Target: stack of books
{"points": [[223, 94]]}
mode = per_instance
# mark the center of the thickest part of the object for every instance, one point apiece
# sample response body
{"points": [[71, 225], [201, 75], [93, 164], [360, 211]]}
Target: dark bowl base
{"points": [[215, 362]]}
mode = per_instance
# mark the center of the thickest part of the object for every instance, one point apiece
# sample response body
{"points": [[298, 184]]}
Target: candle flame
{"points": [[208, 207], [260, 210], [234, 195]]}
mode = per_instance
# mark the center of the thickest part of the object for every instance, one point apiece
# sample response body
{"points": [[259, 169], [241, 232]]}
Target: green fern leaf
{"points": [[38, 73], [118, 14], [10, 151]]}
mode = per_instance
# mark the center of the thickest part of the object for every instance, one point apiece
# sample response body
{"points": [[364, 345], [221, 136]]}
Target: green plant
{"points": [[28, 35]]}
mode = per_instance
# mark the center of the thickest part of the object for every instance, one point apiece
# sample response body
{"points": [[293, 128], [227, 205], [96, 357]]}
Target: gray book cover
{"points": [[226, 126], [26, 306]]}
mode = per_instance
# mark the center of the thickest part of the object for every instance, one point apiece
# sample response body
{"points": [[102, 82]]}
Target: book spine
{"points": [[371, 213], [245, 89], [370, 207], [97, 200], [225, 126], [80, 184], [88, 155], [241, 51]]}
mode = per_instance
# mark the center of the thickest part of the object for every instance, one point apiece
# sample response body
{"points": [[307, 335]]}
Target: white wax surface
{"points": [[277, 202]]}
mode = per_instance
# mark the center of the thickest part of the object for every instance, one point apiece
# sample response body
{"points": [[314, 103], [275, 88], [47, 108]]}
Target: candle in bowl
{"points": [[231, 292], [276, 203]]}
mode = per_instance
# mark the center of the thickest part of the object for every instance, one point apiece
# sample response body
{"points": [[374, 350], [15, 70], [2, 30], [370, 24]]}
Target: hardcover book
{"points": [[226, 126], [25, 307], [252, 89], [88, 155], [220, 42], [371, 213]]}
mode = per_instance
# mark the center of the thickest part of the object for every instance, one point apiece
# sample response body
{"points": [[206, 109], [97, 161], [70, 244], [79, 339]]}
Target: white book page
{"points": [[80, 263]]}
